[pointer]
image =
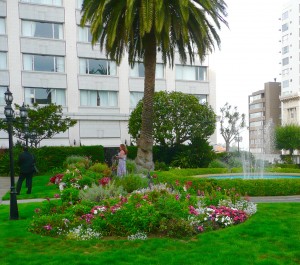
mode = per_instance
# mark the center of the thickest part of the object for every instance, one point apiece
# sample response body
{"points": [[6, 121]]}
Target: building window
{"points": [[84, 34], [135, 97], [256, 123], [3, 89], [285, 15], [138, 70], [285, 49], [43, 63], [2, 26], [285, 83], [256, 115], [94, 98], [285, 38], [45, 96], [256, 97], [285, 72], [285, 27], [97, 67], [44, 2], [285, 61], [42, 30], [79, 4], [184, 72], [256, 106], [3, 60], [202, 98], [292, 113]]}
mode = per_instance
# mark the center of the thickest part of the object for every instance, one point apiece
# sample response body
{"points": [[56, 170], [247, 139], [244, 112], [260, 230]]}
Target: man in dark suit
{"points": [[26, 163]]}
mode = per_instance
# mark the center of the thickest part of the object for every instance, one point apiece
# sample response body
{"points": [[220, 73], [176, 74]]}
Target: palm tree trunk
{"points": [[144, 157]]}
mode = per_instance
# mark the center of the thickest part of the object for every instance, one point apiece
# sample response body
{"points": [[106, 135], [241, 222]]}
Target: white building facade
{"points": [[290, 53], [46, 57]]}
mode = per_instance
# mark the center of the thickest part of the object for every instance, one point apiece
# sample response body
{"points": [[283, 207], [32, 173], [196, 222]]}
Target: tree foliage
{"points": [[144, 28], [288, 137], [231, 123], [44, 121], [178, 118]]}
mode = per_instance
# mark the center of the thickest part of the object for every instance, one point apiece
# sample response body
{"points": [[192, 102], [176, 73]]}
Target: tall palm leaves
{"points": [[145, 27]]}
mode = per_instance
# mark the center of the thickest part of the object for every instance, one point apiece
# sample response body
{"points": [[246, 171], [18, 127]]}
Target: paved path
{"points": [[5, 186]]}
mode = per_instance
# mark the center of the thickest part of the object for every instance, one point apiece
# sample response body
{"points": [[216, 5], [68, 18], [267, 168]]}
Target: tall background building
{"points": [[264, 116], [46, 57], [290, 51]]}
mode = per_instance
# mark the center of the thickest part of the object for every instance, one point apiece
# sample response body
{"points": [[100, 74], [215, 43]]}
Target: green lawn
{"points": [[41, 188], [271, 236]]}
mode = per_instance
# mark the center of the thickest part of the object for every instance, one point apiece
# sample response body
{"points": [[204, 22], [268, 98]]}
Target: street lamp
{"points": [[9, 114], [10, 117]]}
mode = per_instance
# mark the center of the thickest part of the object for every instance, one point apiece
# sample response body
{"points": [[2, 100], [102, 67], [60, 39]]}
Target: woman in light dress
{"points": [[122, 155]]}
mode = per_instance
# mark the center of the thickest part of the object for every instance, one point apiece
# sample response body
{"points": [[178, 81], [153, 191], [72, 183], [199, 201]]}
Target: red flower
{"points": [[104, 181], [56, 179]]}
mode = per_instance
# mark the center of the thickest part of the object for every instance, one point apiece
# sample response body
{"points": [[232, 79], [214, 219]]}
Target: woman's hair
{"points": [[123, 147]]}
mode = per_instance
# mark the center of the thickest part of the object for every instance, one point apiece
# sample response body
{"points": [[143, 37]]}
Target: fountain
{"points": [[256, 164]]}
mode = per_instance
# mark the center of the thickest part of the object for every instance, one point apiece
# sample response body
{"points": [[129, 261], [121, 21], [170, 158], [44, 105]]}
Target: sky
{"points": [[249, 54]]}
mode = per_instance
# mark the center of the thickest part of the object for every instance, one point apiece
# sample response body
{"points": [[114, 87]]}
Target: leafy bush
{"points": [[217, 164], [178, 228], [131, 166], [97, 193], [76, 161], [161, 166], [70, 195], [99, 167], [131, 182]]}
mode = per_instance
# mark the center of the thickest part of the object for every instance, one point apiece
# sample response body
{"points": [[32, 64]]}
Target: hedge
{"points": [[253, 187], [51, 157]]}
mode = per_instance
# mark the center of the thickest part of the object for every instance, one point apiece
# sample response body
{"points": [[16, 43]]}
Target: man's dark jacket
{"points": [[26, 163]]}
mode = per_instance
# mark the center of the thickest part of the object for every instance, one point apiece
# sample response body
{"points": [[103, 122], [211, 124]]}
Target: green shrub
{"points": [[133, 217], [97, 193], [76, 161], [99, 167], [236, 170], [131, 182], [70, 195], [161, 166], [131, 166], [177, 228], [217, 164]]}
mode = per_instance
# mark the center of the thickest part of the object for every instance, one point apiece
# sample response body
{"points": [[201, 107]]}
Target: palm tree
{"points": [[146, 27]]}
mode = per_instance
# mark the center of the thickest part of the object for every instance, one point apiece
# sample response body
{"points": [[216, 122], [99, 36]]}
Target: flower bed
{"points": [[159, 210], [94, 204]]}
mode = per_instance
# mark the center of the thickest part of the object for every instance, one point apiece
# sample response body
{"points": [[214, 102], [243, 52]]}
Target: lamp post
{"points": [[9, 114]]}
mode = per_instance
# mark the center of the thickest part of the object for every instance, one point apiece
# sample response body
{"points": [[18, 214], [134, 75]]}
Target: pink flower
{"points": [[87, 217], [193, 210], [200, 228], [176, 197], [48, 227], [188, 196], [56, 196]]}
